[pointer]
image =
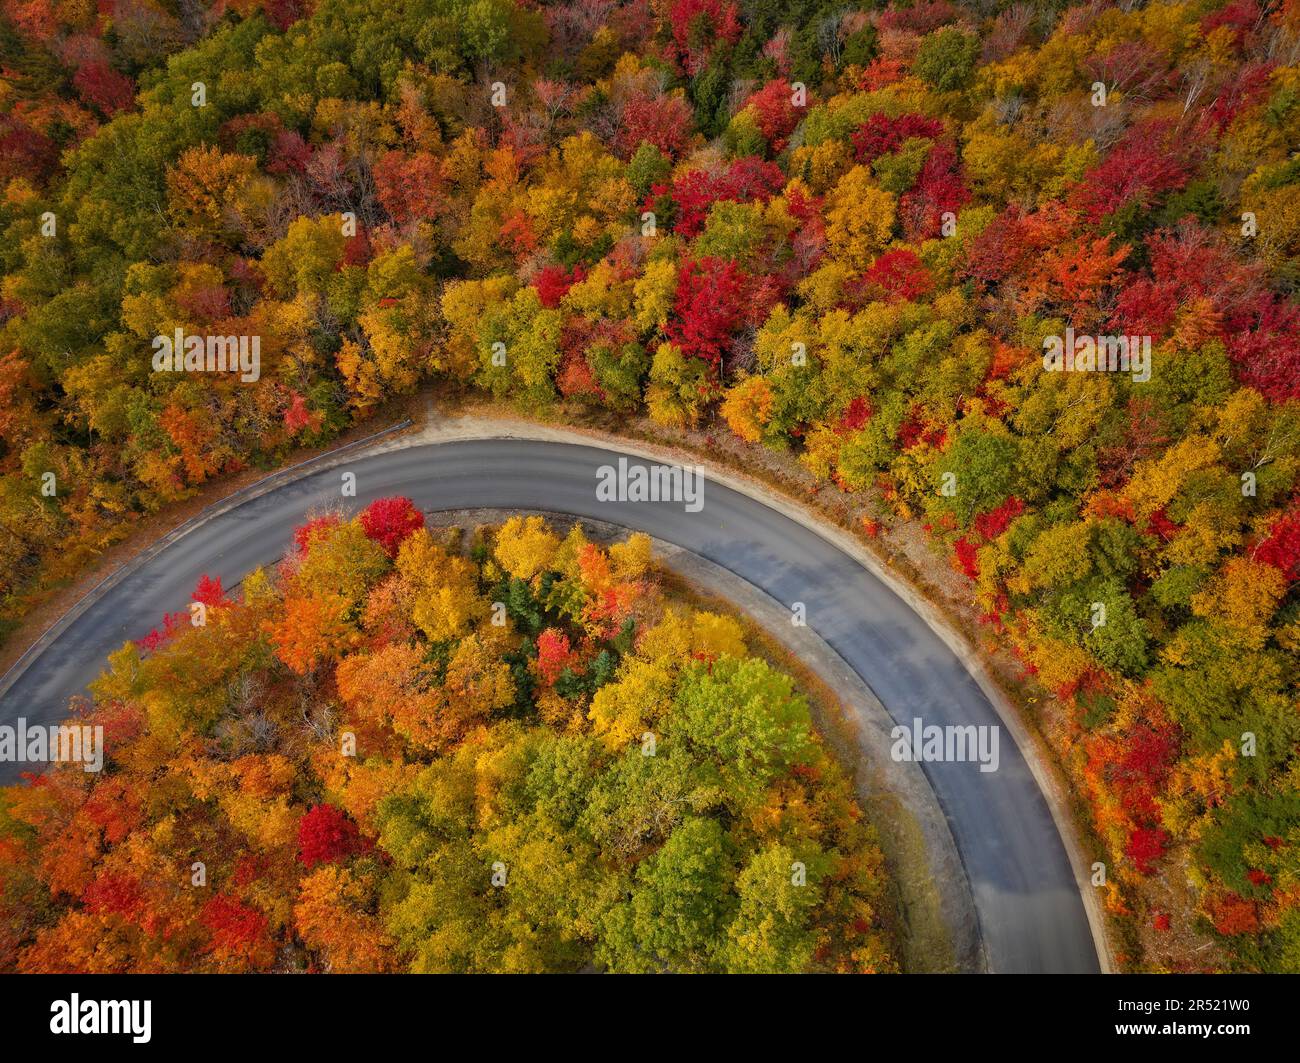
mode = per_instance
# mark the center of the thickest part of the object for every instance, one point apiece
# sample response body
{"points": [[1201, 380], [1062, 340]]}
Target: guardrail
{"points": [[231, 501]]}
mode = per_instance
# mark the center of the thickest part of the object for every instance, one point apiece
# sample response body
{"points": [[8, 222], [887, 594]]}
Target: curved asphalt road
{"points": [[1031, 916]]}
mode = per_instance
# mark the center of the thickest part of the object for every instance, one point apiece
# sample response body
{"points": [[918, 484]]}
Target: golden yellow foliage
{"points": [[525, 546]]}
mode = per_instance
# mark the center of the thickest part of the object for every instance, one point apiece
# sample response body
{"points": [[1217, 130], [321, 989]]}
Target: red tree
{"points": [[745, 181], [553, 283], [284, 13], [1148, 162], [879, 135], [24, 152], [708, 306], [388, 521], [1281, 547], [235, 926], [208, 592], [938, 189], [554, 655], [289, 153], [775, 113], [965, 553], [993, 523], [296, 415], [855, 415], [901, 274], [111, 894], [1145, 846], [1268, 356], [172, 622], [664, 121], [327, 836], [103, 87]]}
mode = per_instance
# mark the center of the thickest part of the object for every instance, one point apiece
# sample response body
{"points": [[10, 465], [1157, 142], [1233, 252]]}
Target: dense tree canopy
{"points": [[845, 232], [363, 765]]}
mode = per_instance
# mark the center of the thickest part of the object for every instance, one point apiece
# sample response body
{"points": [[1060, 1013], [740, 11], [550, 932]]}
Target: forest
{"points": [[841, 232], [391, 753]]}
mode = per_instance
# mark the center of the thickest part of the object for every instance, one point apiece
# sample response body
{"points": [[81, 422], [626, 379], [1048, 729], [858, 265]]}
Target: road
{"points": [[1032, 918]]}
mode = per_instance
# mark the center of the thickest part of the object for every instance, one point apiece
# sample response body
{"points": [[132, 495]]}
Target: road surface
{"points": [[1032, 918]]}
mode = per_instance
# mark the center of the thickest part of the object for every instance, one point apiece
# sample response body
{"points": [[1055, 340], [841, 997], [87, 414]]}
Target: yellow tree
{"points": [[859, 218], [444, 589], [525, 547]]}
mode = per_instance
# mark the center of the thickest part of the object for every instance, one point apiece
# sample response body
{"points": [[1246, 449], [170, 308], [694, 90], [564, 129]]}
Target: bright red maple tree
{"points": [[327, 836], [388, 521], [707, 308]]}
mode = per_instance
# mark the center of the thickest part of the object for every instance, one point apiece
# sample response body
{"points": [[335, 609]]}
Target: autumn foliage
{"points": [[441, 786], [842, 233], [327, 836], [388, 521]]}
